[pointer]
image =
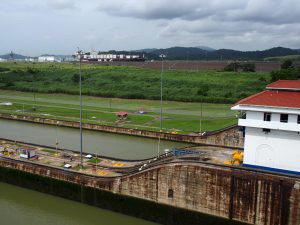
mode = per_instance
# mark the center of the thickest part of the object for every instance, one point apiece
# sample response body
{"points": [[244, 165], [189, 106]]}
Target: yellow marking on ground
{"points": [[118, 165], [229, 163], [102, 172]]}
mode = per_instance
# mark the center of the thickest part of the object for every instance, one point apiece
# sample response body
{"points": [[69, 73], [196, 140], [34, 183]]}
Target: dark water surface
{"points": [[20, 206], [120, 146]]}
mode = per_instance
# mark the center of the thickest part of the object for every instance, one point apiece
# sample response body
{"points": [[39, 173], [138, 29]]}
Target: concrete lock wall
{"points": [[228, 137], [198, 189]]}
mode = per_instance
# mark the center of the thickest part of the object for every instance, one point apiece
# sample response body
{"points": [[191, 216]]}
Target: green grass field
{"points": [[51, 90], [177, 116], [132, 83]]}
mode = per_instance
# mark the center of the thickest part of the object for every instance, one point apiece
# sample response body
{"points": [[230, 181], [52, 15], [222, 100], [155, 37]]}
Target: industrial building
{"points": [[95, 56], [46, 59], [272, 127]]}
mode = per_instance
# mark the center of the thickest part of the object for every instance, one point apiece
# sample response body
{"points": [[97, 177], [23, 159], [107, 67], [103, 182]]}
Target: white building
{"points": [[272, 127], [107, 57], [47, 59]]}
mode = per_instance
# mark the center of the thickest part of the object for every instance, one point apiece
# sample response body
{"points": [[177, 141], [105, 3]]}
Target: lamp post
{"points": [[200, 127], [162, 56], [80, 94]]}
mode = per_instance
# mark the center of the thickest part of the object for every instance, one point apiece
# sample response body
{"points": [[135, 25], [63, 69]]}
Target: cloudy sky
{"points": [[34, 27]]}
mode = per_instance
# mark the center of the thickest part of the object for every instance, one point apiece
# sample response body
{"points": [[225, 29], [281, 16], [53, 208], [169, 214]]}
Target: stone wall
{"points": [[235, 194], [229, 137]]}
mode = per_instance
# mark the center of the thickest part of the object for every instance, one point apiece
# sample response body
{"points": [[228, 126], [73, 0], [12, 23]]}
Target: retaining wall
{"points": [[186, 193]]}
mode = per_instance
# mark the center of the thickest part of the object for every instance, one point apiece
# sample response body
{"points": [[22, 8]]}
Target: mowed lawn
{"points": [[177, 116]]}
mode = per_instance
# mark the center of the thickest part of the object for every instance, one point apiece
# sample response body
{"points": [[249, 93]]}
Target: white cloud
{"points": [[133, 24], [62, 5]]}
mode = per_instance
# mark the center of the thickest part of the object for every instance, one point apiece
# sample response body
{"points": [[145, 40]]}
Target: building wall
{"points": [[251, 115], [275, 117], [276, 149], [46, 59], [256, 119]]}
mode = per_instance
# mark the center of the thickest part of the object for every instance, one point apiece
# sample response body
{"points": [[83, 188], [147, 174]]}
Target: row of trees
{"points": [[288, 70]]}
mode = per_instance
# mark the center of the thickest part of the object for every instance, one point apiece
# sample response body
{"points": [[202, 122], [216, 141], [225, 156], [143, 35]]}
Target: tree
{"points": [[232, 67], [286, 74], [236, 66], [287, 64], [248, 67]]}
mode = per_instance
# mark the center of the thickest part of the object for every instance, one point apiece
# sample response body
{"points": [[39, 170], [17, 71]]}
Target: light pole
{"points": [[56, 139], [80, 94], [200, 127], [162, 56]]}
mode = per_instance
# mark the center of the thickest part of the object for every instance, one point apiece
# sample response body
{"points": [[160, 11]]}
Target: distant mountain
{"points": [[209, 49], [13, 56], [181, 53], [196, 53], [145, 50], [228, 54]]}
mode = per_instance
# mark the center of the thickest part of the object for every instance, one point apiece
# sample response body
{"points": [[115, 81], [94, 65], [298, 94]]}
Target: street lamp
{"points": [[80, 94], [162, 56]]}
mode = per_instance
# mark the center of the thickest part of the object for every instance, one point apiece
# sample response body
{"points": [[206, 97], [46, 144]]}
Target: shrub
{"points": [[32, 70], [3, 69], [236, 66], [287, 64]]}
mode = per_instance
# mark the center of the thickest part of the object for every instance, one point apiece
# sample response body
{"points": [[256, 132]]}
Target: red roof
{"points": [[272, 98], [285, 84], [122, 113]]}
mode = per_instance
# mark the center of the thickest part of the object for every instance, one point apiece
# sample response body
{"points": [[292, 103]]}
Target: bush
{"points": [[232, 67], [286, 74], [203, 91], [32, 70], [287, 64], [3, 69], [9, 84], [248, 67], [236, 66], [76, 77]]}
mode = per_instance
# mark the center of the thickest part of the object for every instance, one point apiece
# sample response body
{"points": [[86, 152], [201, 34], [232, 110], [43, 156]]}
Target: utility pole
{"points": [[56, 139], [162, 56], [80, 95], [34, 107], [96, 161], [200, 128]]}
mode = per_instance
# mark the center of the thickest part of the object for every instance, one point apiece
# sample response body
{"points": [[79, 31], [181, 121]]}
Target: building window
{"points": [[284, 118], [267, 116], [298, 120], [244, 115], [170, 193]]}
